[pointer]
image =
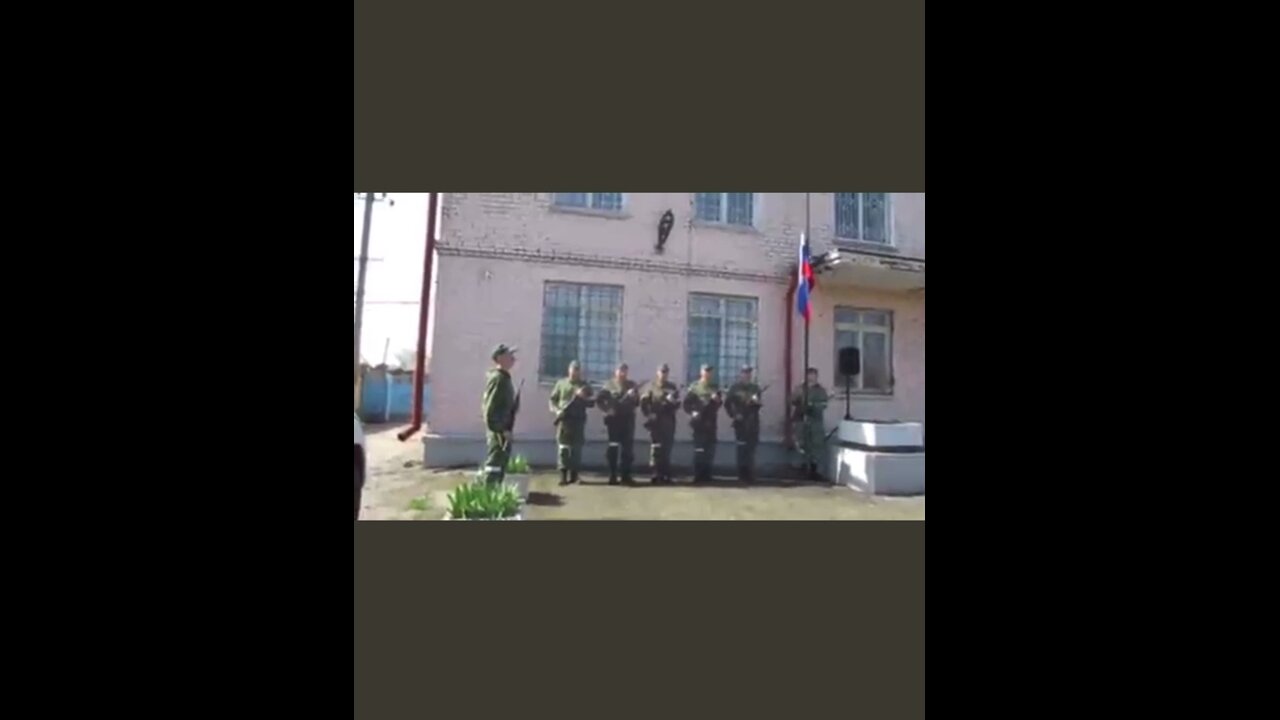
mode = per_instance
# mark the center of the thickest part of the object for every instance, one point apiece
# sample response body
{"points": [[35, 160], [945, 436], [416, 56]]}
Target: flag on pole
{"points": [[806, 282]]}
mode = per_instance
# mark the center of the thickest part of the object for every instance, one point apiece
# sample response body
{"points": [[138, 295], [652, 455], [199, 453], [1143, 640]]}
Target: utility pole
{"points": [[369, 200], [808, 444]]}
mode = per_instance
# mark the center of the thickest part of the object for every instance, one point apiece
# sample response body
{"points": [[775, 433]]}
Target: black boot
{"points": [[612, 456], [564, 477], [573, 477]]}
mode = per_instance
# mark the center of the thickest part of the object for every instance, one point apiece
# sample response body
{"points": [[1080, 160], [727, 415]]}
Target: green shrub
{"points": [[518, 465], [480, 501]]}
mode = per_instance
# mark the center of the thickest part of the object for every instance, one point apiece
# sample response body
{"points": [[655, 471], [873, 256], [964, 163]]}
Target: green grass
{"points": [[420, 504]]}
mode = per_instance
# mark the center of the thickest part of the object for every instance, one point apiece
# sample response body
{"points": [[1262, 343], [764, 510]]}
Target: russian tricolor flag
{"points": [[806, 282]]}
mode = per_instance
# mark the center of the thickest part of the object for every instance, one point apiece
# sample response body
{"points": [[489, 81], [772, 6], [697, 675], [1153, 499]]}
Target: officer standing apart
{"points": [[496, 407], [702, 402], [618, 400], [570, 399], [743, 406], [813, 434], [659, 404]]}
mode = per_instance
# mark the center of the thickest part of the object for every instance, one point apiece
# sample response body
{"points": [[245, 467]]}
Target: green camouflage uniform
{"points": [[660, 409], [811, 442], [620, 422], [743, 405], [702, 406], [499, 400], [571, 431]]}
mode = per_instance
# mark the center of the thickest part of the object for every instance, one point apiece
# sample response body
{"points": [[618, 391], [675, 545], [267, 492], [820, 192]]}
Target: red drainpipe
{"points": [[419, 372], [788, 432]]}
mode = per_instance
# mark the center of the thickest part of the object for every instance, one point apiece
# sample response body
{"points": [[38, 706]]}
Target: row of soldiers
{"points": [[621, 398]]}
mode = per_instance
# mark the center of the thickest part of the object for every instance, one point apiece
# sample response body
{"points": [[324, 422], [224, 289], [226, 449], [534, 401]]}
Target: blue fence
{"points": [[387, 396]]}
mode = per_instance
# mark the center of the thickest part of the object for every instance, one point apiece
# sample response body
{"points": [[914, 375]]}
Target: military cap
{"points": [[575, 364], [747, 368], [664, 368], [502, 349], [708, 366], [623, 366]]}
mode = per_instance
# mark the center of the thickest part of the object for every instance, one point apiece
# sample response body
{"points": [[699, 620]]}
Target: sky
{"points": [[393, 280]]}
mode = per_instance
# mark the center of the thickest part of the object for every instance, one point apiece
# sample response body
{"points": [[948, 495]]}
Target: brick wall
{"points": [[498, 249]]}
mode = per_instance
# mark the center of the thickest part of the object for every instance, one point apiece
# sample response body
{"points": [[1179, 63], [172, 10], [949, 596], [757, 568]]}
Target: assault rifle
{"points": [[572, 401]]}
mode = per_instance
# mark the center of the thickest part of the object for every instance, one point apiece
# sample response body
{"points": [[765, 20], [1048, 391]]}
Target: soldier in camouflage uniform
{"points": [[496, 408], [703, 401], [659, 404], [743, 406], [618, 400], [813, 435], [570, 399]]}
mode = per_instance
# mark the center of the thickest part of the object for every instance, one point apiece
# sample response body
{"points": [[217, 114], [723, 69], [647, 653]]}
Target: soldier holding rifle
{"points": [[618, 400], [743, 405], [498, 408], [659, 405], [808, 406], [569, 401], [703, 401]]}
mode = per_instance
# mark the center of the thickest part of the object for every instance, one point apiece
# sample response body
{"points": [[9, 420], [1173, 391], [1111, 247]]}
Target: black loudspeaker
{"points": [[850, 361]]}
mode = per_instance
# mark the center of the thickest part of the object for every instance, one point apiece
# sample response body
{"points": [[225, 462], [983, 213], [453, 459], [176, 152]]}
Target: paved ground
{"points": [[399, 488]]}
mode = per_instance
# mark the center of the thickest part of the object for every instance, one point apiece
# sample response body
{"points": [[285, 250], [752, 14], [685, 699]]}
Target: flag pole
{"points": [[808, 443]]}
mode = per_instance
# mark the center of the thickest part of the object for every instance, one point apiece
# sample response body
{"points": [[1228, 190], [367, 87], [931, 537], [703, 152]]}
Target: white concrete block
{"points": [[880, 473], [880, 434]]}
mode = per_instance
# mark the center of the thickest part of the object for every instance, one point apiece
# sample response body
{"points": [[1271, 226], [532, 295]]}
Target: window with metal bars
{"points": [[580, 322], [726, 208], [723, 332], [871, 331], [609, 202], [864, 216]]}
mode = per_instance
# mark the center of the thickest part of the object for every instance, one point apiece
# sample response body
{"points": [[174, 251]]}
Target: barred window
{"points": [[582, 322], [727, 208], [863, 216], [871, 331], [722, 332], [595, 201]]}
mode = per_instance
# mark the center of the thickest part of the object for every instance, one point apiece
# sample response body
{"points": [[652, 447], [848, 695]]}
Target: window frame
{"points": [[692, 369], [723, 220], [890, 225], [591, 208], [862, 328], [580, 351]]}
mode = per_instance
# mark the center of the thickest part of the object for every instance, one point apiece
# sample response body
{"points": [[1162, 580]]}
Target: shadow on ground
{"points": [[542, 499]]}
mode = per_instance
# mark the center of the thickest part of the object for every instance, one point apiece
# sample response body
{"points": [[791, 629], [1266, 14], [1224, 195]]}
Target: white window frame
{"points": [[889, 240], [723, 220], [583, 308], [591, 204], [723, 316], [862, 329]]}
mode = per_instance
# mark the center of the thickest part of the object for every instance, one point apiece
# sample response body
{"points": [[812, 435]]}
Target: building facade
{"points": [[585, 276]]}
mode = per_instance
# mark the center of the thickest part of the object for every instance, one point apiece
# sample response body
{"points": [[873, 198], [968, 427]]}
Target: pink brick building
{"points": [[579, 275]]}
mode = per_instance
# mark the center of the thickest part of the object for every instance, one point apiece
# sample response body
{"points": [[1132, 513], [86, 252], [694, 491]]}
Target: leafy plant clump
{"points": [[480, 501], [518, 465]]}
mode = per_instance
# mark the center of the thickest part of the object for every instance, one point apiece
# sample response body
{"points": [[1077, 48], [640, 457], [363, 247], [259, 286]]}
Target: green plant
{"points": [[518, 465], [480, 501]]}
